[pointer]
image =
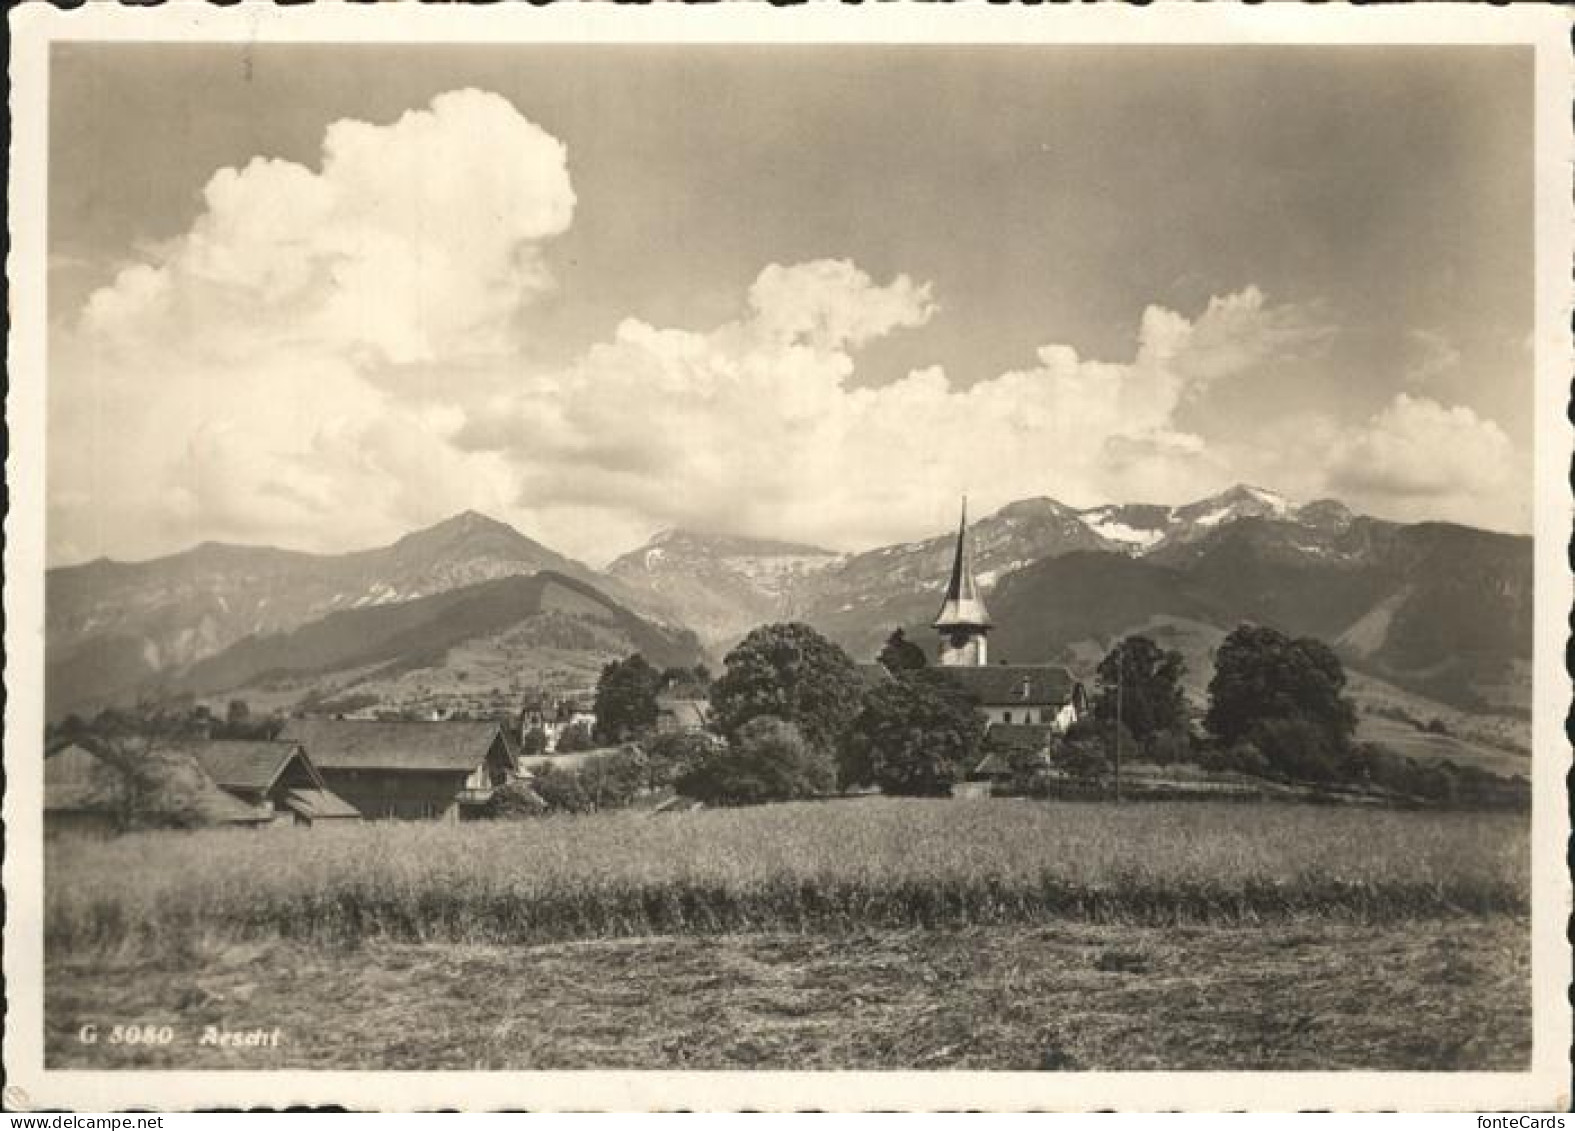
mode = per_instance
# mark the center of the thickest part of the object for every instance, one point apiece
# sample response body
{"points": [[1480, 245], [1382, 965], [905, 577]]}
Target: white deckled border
{"points": [[34, 27]]}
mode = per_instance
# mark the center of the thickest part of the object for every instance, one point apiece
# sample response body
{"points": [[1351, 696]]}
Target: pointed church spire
{"points": [[962, 606]]}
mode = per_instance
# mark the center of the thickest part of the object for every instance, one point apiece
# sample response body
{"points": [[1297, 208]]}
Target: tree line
{"points": [[792, 716]]}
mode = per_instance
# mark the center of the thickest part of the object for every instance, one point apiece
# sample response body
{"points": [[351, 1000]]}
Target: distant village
{"points": [[792, 717], [357, 765]]}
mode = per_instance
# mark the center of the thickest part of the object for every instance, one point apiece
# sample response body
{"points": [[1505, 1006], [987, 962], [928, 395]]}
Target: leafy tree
{"points": [[768, 759], [1298, 748], [1083, 753], [917, 736], [1143, 680], [1261, 674], [613, 781], [687, 683], [901, 654], [1169, 746], [152, 787], [561, 791], [626, 699], [671, 756], [792, 673], [1030, 770], [576, 737], [609, 781], [533, 742], [514, 799]]}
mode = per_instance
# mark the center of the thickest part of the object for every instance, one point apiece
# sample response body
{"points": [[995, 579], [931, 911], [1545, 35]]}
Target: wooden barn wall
{"points": [[409, 794]]}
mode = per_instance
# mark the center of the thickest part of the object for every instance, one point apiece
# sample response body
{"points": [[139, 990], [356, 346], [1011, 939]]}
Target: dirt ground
{"points": [[1438, 995]]}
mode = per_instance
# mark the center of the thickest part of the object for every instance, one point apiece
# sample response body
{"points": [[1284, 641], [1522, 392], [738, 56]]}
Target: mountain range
{"points": [[1438, 610], [117, 631]]}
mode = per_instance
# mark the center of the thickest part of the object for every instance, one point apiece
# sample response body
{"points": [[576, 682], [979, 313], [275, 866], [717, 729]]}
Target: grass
{"points": [[834, 867], [1317, 995]]}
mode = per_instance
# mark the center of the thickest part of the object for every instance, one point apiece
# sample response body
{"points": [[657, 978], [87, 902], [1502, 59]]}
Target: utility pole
{"points": [[1121, 667]]}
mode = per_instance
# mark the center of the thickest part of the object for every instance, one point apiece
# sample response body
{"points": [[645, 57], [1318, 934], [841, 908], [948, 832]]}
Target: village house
{"points": [[88, 793], [553, 716], [675, 715], [275, 777], [437, 771], [1011, 695]]}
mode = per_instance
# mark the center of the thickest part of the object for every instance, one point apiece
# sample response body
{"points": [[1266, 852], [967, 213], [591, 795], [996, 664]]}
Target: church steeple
{"points": [[963, 621]]}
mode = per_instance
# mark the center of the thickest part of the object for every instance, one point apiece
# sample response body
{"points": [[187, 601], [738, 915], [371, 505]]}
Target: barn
{"points": [[81, 793], [85, 793], [408, 770], [675, 715], [276, 777]]}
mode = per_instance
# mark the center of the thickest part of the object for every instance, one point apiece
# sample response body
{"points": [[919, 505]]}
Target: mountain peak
{"points": [[463, 526], [682, 539], [471, 520], [1035, 507]]}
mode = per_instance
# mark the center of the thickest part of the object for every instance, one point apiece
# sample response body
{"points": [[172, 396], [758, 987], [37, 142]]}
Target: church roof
{"points": [[1015, 685], [962, 607]]}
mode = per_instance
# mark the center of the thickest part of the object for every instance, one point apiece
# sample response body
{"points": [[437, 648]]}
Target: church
{"points": [[1010, 695]]}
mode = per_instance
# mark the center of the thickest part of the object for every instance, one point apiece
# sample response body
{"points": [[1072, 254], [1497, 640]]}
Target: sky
{"points": [[320, 296]]}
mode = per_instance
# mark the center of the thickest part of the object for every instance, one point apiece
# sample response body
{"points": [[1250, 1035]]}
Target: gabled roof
{"points": [[1019, 736], [318, 804], [962, 607], [993, 764], [685, 712], [77, 779], [1015, 685], [353, 744], [238, 764]]}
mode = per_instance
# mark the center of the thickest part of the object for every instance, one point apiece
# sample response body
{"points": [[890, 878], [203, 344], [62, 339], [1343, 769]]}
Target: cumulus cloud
{"points": [[251, 379], [1418, 458], [755, 426], [330, 357], [413, 241]]}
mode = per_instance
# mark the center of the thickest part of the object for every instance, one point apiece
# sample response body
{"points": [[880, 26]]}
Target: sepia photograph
{"points": [[736, 549]]}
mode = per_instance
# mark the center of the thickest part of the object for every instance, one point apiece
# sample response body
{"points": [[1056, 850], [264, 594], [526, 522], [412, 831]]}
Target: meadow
{"points": [[830, 867]]}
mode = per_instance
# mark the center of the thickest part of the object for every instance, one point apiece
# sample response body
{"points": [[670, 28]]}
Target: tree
{"points": [[917, 736], [768, 759], [670, 756], [792, 673], [613, 781], [148, 786], [1143, 680], [1298, 749], [1261, 674], [514, 799], [687, 683], [533, 742], [1084, 752], [901, 654], [626, 699], [561, 791], [576, 737]]}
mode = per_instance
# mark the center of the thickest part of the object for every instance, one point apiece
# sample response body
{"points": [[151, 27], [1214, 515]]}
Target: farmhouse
{"points": [[1042, 695], [408, 770], [675, 715], [82, 794], [87, 793], [554, 716], [275, 777]]}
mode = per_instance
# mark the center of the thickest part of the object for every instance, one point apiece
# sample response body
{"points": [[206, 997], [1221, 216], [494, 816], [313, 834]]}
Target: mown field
{"points": [[870, 933]]}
